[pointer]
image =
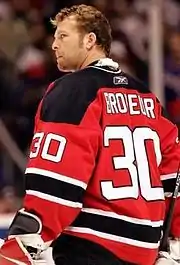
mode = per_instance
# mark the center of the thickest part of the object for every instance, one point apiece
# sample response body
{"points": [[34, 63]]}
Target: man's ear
{"points": [[90, 40]]}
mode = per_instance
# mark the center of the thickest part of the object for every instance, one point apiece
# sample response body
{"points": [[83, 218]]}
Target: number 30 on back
{"points": [[134, 150]]}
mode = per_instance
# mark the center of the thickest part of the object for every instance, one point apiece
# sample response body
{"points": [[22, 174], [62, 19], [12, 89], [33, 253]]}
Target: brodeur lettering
{"points": [[129, 103]]}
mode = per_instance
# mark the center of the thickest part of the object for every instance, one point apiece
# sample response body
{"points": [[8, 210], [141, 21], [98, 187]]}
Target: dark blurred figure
{"points": [[12, 97], [11, 94], [172, 76], [9, 86]]}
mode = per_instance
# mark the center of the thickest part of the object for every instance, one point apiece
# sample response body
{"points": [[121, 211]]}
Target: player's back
{"points": [[103, 135], [123, 206]]}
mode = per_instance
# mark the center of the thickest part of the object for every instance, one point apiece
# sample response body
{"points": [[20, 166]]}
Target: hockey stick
{"points": [[168, 220], [11, 147]]}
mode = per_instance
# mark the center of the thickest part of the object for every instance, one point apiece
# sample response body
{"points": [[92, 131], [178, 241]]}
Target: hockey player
{"points": [[103, 158]]}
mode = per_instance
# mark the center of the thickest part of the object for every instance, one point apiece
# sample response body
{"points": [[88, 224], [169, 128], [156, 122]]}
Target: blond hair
{"points": [[89, 19]]}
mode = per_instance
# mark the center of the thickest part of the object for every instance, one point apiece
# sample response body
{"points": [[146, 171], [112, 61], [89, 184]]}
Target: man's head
{"points": [[174, 45], [82, 35]]}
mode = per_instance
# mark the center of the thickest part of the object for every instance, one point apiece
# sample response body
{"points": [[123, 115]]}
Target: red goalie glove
{"points": [[13, 252]]}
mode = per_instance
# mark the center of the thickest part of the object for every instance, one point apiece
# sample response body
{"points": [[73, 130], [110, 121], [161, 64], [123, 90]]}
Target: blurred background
{"points": [[146, 43]]}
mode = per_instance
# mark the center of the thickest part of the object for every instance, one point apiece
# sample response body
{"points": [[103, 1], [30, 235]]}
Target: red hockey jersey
{"points": [[102, 158]]}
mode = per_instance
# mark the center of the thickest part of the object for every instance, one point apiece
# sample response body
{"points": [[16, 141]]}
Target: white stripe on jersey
{"points": [[50, 174], [169, 176], [113, 237], [123, 217], [54, 199], [109, 71]]}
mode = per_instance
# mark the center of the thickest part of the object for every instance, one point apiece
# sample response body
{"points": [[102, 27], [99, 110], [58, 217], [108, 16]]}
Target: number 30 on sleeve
{"points": [[36, 146]]}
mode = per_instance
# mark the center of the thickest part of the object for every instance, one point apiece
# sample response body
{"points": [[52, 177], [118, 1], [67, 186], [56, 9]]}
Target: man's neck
{"points": [[92, 58]]}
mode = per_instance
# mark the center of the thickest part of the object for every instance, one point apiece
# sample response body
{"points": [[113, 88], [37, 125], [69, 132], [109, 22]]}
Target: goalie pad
{"points": [[175, 249], [13, 252]]}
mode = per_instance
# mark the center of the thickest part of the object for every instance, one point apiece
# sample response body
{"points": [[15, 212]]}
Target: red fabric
{"points": [[10, 251], [79, 161], [175, 225], [36, 71], [173, 108]]}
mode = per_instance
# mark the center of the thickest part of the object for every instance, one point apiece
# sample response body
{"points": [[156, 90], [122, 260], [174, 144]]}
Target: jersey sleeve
{"points": [[169, 167], [62, 156]]}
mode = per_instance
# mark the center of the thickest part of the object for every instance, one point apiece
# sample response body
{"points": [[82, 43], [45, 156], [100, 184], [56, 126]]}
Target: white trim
{"points": [[54, 199], [169, 176], [51, 174], [113, 237], [123, 217], [109, 71]]}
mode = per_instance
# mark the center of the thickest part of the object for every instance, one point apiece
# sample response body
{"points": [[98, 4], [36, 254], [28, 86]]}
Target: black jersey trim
{"points": [[118, 227]]}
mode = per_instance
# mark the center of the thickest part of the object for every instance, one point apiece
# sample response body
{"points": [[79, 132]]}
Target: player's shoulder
{"points": [[76, 79], [69, 97], [133, 83], [109, 74], [94, 77]]}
